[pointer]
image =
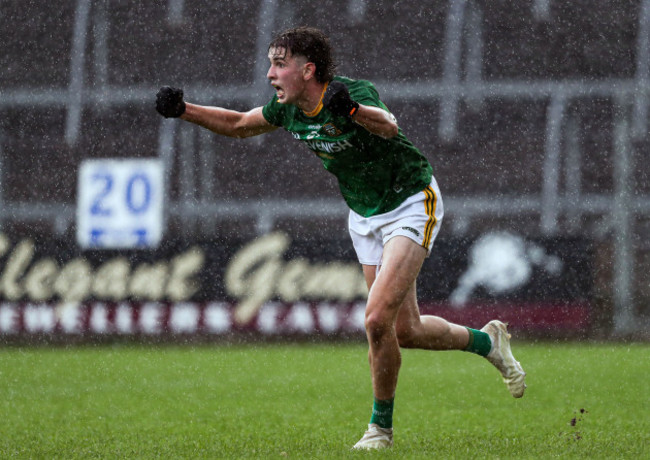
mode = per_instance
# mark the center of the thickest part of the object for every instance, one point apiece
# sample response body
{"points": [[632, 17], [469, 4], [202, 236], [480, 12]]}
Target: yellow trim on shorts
{"points": [[430, 202]]}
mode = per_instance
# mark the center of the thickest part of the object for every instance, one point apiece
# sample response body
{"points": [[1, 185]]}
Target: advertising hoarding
{"points": [[278, 284]]}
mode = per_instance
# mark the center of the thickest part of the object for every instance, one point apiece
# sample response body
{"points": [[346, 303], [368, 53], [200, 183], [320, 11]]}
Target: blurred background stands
{"points": [[534, 115]]}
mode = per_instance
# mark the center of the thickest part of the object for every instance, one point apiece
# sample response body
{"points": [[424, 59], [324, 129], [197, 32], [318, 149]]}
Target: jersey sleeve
{"points": [[273, 112]]}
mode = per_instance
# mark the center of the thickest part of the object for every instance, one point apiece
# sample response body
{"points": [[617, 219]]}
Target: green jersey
{"points": [[375, 175]]}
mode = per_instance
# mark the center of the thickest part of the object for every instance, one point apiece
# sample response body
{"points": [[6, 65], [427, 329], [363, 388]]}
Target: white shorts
{"points": [[418, 218]]}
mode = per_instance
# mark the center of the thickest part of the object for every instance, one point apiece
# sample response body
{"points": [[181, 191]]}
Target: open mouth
{"points": [[279, 91]]}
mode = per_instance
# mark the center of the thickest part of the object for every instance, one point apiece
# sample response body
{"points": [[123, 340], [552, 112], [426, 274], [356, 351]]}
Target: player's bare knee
{"points": [[378, 324]]}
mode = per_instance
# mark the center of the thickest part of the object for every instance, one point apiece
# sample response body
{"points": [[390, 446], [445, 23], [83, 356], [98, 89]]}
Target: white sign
{"points": [[120, 203]]}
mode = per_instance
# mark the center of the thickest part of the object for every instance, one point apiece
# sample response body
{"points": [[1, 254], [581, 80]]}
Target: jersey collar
{"points": [[319, 107]]}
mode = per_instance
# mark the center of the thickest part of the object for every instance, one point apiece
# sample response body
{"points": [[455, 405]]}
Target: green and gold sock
{"points": [[382, 413], [479, 342]]}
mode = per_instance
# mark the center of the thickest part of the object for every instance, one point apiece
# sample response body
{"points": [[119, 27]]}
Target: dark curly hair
{"points": [[311, 43]]}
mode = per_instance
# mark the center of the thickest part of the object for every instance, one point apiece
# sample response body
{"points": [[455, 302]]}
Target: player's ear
{"points": [[309, 71]]}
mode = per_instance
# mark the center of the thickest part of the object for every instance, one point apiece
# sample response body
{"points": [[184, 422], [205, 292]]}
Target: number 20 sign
{"points": [[120, 203]]}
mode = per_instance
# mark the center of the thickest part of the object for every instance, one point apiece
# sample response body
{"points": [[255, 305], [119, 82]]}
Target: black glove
{"points": [[169, 102], [337, 100]]}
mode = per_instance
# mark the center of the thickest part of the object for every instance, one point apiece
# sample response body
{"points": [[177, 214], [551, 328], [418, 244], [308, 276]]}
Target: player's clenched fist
{"points": [[338, 101], [169, 102]]}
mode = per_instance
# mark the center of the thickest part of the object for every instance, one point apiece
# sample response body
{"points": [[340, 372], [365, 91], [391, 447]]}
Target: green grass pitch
{"points": [[313, 401]]}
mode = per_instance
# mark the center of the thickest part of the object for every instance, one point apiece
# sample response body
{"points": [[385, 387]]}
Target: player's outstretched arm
{"points": [[337, 99], [170, 104], [228, 122]]}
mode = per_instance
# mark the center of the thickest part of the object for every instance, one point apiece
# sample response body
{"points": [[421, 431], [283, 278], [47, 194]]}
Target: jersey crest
{"points": [[331, 130]]}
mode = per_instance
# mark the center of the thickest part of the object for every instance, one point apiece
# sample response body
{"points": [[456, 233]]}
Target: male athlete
{"points": [[395, 205]]}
